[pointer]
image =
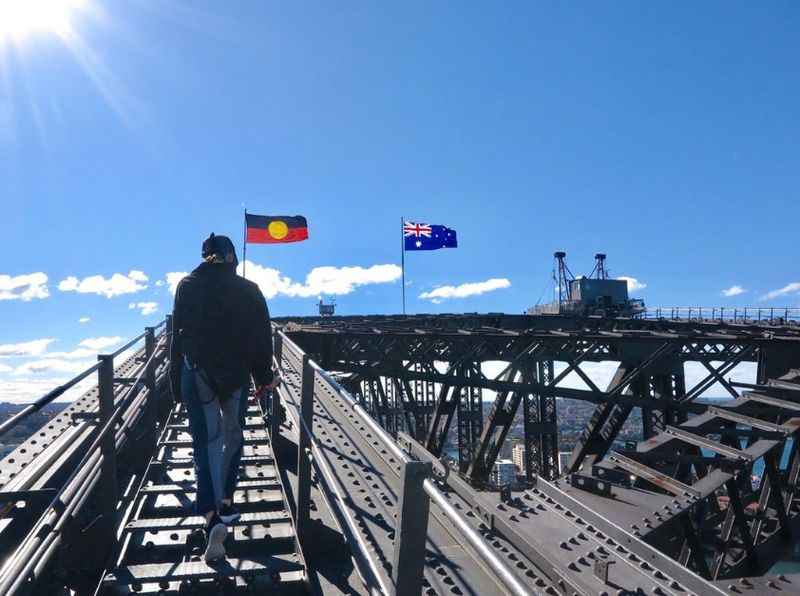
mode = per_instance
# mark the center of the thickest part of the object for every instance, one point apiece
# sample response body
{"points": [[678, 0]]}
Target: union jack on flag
{"points": [[416, 230], [419, 236]]}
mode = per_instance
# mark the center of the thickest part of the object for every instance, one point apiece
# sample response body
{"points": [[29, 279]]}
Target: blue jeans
{"points": [[217, 437]]}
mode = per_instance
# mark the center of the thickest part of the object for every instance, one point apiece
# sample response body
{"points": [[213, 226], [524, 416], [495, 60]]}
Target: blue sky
{"points": [[665, 136]]}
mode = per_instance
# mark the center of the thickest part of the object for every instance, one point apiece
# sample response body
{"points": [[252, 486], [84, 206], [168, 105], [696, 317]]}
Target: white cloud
{"points": [[792, 288], [173, 278], [24, 287], [321, 280], [84, 320], [601, 373], [73, 355], [28, 348], [744, 372], [146, 308], [465, 290], [115, 285], [72, 362], [733, 291], [159, 283], [98, 343], [633, 283], [20, 391], [53, 365]]}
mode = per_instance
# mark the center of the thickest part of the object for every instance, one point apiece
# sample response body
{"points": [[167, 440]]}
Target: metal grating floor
{"points": [[160, 551]]}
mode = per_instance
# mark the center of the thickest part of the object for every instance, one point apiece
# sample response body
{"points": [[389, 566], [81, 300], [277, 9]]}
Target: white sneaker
{"points": [[216, 531]]}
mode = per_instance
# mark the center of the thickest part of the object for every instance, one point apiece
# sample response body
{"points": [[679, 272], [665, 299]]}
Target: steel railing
{"points": [[116, 416], [744, 315], [57, 392], [409, 541]]}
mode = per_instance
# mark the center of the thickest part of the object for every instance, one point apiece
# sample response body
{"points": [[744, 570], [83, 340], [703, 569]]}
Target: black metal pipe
{"points": [[35, 551], [44, 400]]}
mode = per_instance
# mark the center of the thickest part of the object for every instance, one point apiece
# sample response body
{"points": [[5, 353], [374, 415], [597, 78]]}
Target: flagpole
{"points": [[244, 246], [403, 260]]}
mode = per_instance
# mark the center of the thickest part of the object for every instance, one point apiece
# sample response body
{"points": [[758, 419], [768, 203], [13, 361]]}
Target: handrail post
{"points": [[150, 381], [275, 401], [411, 529], [108, 473], [278, 341], [304, 451], [168, 336]]}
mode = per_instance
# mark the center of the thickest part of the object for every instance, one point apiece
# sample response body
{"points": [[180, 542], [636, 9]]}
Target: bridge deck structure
{"points": [[346, 488]]}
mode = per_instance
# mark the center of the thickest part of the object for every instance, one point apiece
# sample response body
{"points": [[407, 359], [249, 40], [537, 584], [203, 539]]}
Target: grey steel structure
{"points": [[344, 492], [596, 294]]}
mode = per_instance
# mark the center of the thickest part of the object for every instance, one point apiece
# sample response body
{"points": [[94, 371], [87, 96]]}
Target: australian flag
{"points": [[419, 236]]}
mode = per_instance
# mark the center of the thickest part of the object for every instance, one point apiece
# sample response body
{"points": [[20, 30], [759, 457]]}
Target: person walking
{"points": [[221, 336]]}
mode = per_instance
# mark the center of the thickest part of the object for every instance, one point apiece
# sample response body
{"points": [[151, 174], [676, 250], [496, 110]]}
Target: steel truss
{"points": [[416, 359], [704, 505]]}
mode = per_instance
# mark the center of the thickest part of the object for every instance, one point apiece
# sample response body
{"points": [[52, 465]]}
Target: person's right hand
{"points": [[276, 380], [269, 387]]}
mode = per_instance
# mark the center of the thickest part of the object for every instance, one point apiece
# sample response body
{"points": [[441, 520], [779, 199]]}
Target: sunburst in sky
{"points": [[28, 25], [22, 18]]}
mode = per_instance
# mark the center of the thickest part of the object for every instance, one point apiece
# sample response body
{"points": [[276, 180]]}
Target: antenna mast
{"points": [[564, 276], [600, 266]]}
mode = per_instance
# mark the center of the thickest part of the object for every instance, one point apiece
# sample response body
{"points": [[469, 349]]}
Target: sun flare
{"points": [[20, 18]]}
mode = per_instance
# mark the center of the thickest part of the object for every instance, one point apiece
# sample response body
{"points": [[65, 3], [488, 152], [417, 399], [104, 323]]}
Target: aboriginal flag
{"points": [[275, 229]]}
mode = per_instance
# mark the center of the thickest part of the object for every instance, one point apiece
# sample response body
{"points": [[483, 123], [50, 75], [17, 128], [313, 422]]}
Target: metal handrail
{"points": [[747, 314], [367, 568], [474, 538], [39, 545], [61, 389]]}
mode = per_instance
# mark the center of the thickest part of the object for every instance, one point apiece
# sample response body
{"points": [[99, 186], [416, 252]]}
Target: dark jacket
{"points": [[221, 323]]}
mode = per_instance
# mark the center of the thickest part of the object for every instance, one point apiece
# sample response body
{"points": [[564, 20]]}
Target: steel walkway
{"points": [[160, 546]]}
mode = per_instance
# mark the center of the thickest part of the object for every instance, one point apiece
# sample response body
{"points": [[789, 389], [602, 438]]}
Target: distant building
{"points": [[563, 461], [504, 472], [518, 457], [326, 310]]}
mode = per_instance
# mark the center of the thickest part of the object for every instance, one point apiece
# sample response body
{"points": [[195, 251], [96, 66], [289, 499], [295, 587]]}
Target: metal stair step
{"points": [[176, 504], [286, 566], [188, 462], [249, 439], [157, 546], [190, 488], [189, 522], [251, 423]]}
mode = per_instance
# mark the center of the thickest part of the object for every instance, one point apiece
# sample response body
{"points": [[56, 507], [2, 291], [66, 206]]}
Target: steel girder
{"points": [[718, 518], [651, 377], [540, 419], [498, 321]]}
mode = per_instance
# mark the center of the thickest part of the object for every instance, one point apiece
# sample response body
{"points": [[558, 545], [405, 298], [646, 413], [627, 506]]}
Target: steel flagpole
{"points": [[403, 260], [244, 246]]}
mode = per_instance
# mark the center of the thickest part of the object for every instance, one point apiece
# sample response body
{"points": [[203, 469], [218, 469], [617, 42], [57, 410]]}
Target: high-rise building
{"points": [[563, 460], [504, 472], [518, 457]]}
